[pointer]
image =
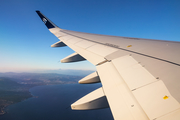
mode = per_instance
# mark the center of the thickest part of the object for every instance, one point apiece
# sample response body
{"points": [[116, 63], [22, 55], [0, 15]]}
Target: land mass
{"points": [[14, 87]]}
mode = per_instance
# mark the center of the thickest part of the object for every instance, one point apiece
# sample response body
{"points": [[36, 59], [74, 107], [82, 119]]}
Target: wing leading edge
{"points": [[140, 77]]}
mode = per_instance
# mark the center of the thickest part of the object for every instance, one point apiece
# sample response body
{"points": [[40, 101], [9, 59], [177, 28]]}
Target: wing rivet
{"points": [[129, 46], [165, 97]]}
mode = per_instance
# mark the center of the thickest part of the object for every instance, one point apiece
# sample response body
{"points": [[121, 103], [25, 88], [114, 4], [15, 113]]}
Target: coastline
{"points": [[8, 103], [16, 87], [3, 108], [53, 102], [2, 111]]}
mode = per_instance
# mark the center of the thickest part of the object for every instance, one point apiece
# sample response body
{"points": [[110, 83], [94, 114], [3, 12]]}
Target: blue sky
{"points": [[25, 41]]}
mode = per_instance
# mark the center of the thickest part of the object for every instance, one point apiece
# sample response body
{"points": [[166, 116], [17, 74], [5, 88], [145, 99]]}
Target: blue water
{"points": [[53, 103]]}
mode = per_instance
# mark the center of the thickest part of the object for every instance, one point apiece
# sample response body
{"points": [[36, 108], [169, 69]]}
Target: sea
{"points": [[52, 102]]}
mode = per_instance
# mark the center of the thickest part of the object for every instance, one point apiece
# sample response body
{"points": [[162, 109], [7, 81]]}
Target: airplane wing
{"points": [[140, 77]]}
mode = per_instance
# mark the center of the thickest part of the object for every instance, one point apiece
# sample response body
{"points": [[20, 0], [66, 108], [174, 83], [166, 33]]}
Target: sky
{"points": [[25, 41]]}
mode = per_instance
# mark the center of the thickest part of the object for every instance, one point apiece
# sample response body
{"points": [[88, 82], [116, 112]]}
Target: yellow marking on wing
{"points": [[165, 97], [129, 46]]}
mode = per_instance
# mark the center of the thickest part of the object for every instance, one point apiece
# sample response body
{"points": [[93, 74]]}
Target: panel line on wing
{"points": [[85, 44], [126, 50], [90, 56], [132, 72], [144, 85]]}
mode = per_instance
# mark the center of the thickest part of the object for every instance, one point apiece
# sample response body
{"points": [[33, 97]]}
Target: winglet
{"points": [[46, 21]]}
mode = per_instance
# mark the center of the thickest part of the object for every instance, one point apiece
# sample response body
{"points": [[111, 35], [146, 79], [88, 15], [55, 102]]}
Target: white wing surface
{"points": [[140, 77]]}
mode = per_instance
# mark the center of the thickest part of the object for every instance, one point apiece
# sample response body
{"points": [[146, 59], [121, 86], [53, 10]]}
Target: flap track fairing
{"points": [[59, 44], [93, 100], [75, 57], [92, 78]]}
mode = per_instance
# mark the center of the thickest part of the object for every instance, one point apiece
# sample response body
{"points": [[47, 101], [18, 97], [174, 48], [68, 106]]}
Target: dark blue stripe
{"points": [[45, 20]]}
